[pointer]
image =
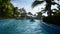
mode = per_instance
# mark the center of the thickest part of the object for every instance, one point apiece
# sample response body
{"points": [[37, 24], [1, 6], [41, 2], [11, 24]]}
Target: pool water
{"points": [[24, 26]]}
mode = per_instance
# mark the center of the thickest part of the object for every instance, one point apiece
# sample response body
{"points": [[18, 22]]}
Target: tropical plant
{"points": [[16, 13], [30, 13], [6, 8], [39, 15], [48, 5]]}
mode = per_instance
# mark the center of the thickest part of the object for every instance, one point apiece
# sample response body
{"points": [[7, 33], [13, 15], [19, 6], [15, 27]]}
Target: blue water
{"points": [[27, 27]]}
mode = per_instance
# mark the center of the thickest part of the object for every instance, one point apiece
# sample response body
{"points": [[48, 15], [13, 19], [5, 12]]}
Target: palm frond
{"points": [[53, 3], [35, 3]]}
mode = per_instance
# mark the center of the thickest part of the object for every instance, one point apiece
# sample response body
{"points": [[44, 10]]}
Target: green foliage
{"points": [[35, 3], [47, 6], [57, 13], [52, 20], [16, 13], [6, 8], [55, 19], [39, 15], [30, 13]]}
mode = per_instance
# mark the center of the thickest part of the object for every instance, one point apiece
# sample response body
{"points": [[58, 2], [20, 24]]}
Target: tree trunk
{"points": [[49, 8]]}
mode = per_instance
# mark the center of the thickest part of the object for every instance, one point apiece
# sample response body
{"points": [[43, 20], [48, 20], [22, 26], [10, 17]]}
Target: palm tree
{"points": [[48, 5], [58, 5]]}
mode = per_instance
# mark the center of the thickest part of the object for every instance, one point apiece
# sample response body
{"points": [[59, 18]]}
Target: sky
{"points": [[27, 4], [24, 4]]}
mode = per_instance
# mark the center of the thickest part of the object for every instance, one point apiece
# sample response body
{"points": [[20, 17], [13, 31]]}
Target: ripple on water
{"points": [[21, 27]]}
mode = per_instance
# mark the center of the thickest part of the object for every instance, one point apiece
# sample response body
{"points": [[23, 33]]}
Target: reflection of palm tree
{"points": [[48, 5]]}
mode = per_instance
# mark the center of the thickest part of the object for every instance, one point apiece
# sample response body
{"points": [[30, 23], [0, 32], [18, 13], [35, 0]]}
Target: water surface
{"points": [[24, 26]]}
